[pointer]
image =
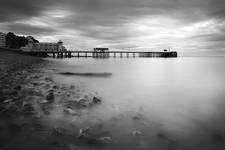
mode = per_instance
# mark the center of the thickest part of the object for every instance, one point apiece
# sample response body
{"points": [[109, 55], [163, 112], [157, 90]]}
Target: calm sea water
{"points": [[176, 103]]}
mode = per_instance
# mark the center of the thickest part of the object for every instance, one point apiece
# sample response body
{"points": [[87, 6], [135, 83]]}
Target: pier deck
{"points": [[68, 54]]}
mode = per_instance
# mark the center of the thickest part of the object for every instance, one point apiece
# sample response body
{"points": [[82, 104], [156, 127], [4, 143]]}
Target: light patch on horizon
{"points": [[58, 13], [153, 34]]}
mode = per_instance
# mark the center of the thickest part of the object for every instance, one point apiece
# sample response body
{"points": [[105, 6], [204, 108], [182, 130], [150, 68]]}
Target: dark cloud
{"points": [[25, 29], [19, 9], [108, 20]]}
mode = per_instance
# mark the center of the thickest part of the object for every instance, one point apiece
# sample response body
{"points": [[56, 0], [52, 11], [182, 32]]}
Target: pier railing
{"points": [[107, 54]]}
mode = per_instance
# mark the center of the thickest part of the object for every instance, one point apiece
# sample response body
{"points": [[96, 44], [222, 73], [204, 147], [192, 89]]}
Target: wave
{"points": [[88, 74]]}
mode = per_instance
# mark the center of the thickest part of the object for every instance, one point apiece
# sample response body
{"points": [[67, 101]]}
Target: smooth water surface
{"points": [[175, 103]]}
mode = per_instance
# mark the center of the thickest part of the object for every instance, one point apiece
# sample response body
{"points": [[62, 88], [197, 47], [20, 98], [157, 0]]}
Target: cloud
{"points": [[119, 23]]}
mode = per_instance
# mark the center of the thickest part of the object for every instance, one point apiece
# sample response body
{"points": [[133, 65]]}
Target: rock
{"points": [[6, 91], [144, 144], [162, 136], [7, 100], [83, 103], [94, 137], [24, 103], [50, 97], [14, 92], [28, 108], [48, 79], [73, 147], [72, 87], [136, 118], [43, 101], [96, 100], [35, 84], [104, 140], [45, 110], [47, 86], [84, 132], [59, 130], [18, 88], [38, 127], [37, 116], [136, 133], [55, 87], [70, 112]]}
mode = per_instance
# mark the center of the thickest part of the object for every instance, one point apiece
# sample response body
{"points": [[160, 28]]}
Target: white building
{"points": [[2, 39], [32, 46]]}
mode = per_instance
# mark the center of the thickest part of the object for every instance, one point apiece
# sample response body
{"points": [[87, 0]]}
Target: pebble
{"points": [[73, 147], [106, 139], [83, 132], [7, 101], [18, 87], [50, 97], [59, 130], [136, 133], [70, 112], [83, 102], [43, 101], [96, 100]]}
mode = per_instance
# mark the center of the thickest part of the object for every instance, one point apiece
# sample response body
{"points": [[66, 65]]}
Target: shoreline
{"points": [[29, 101]]}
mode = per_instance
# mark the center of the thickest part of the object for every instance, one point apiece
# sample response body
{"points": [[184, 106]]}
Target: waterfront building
{"points": [[43, 46], [101, 53], [101, 49], [2, 39]]}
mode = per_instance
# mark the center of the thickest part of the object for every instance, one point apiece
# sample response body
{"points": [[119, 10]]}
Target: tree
{"points": [[14, 41], [35, 41]]}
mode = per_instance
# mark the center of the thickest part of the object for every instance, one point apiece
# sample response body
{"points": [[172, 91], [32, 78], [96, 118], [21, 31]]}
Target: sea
{"points": [[152, 103]]}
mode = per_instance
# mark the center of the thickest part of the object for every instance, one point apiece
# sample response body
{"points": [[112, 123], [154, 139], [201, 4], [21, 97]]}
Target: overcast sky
{"points": [[184, 25]]}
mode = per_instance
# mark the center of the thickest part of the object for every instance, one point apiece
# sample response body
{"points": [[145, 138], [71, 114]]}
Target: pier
{"points": [[103, 54]]}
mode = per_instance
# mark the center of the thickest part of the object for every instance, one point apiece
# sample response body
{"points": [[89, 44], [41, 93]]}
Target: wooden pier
{"points": [[93, 54]]}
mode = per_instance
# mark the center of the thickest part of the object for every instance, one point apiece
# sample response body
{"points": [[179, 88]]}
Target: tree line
{"points": [[14, 41]]}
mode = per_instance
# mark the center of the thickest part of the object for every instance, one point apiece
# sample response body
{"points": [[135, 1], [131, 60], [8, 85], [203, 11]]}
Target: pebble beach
{"points": [[30, 101]]}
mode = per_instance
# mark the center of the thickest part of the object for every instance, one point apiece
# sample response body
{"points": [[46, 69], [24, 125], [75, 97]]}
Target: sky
{"points": [[196, 26]]}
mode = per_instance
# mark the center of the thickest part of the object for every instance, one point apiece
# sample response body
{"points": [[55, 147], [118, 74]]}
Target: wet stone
{"points": [[94, 137], [136, 133], [7, 100], [83, 102], [105, 140], [59, 131], [55, 87], [72, 87], [35, 84], [43, 101], [84, 132], [48, 79], [50, 97], [45, 110], [136, 118], [18, 87], [161, 136], [96, 100], [73, 147], [70, 112], [14, 92], [28, 108]]}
